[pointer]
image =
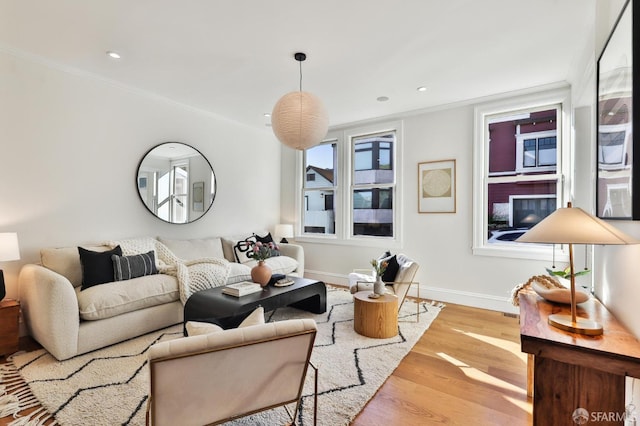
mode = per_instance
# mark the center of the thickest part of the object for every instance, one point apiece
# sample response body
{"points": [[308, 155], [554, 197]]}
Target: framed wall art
{"points": [[618, 152], [437, 186]]}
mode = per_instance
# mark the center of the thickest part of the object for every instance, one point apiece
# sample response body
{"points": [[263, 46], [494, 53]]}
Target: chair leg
{"points": [[417, 301], [418, 305], [315, 400], [315, 395]]}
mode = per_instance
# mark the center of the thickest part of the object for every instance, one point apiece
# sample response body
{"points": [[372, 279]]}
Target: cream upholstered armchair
{"points": [[362, 279], [216, 377]]}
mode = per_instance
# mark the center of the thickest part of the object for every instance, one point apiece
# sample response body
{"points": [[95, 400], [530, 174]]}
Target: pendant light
{"points": [[299, 119]]}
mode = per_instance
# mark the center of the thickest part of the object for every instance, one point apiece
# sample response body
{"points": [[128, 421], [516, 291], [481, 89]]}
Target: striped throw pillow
{"points": [[138, 265]]}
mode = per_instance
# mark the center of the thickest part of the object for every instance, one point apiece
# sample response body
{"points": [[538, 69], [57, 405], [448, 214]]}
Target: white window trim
{"points": [[488, 111], [520, 138], [343, 208]]}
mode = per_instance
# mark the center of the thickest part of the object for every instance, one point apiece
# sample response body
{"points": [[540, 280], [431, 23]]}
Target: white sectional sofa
{"points": [[68, 321]]}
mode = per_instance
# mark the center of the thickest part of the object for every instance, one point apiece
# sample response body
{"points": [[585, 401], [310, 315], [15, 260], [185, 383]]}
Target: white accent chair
{"points": [[362, 279], [216, 377]]}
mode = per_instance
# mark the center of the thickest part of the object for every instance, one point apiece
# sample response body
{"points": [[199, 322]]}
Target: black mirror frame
{"points": [[214, 189]]}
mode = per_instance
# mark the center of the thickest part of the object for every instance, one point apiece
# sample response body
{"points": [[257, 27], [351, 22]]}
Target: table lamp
{"points": [[572, 225], [285, 231], [9, 250]]}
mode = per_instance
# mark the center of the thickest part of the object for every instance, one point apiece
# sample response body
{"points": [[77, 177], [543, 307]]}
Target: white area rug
{"points": [[109, 386]]}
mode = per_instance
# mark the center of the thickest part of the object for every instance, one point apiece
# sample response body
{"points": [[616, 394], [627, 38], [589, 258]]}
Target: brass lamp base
{"points": [[580, 326]]}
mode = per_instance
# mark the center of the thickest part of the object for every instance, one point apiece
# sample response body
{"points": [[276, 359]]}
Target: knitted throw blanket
{"points": [[193, 275]]}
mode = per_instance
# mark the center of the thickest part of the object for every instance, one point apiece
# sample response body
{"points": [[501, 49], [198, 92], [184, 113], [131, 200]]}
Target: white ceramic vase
{"points": [[378, 286]]}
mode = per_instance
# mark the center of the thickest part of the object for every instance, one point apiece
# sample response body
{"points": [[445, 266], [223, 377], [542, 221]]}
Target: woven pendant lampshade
{"points": [[299, 119]]}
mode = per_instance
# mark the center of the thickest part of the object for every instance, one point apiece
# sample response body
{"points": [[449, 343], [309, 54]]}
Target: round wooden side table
{"points": [[377, 318]]}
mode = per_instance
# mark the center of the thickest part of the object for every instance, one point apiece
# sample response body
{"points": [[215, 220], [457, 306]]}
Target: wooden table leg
{"points": [[530, 375]]}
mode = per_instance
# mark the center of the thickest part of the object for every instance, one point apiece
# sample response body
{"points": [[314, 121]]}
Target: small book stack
{"points": [[241, 289]]}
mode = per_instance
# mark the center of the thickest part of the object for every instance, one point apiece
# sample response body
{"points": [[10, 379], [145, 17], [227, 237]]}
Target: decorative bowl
{"points": [[558, 295]]}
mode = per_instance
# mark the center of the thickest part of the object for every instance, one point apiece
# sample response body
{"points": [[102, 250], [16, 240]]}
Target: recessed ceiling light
{"points": [[267, 114], [421, 89], [382, 98], [114, 55]]}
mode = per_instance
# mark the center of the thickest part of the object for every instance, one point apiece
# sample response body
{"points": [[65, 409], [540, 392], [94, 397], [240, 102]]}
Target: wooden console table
{"points": [[574, 371]]}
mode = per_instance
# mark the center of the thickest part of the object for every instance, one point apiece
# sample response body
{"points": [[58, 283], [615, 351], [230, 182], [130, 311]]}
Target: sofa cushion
{"points": [[137, 265], [97, 267], [238, 273], [111, 299], [195, 248], [278, 264], [66, 261]]}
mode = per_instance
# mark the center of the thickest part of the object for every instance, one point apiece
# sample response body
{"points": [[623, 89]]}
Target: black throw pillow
{"points": [[97, 266], [137, 265], [264, 240], [393, 267]]}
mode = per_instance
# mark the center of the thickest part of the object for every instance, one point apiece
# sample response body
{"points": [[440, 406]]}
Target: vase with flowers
{"points": [[261, 273], [379, 267]]}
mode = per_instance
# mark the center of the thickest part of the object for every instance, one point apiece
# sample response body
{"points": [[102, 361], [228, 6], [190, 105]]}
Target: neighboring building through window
{"points": [[319, 189], [373, 185], [522, 148]]}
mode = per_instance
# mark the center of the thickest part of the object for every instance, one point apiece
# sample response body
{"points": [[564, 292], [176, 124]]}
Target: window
{"points": [[319, 189], [349, 186], [536, 151], [373, 185], [518, 175], [172, 193]]}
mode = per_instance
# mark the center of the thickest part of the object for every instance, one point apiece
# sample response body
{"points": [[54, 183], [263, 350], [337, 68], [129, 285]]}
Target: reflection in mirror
{"points": [[176, 182], [615, 123]]}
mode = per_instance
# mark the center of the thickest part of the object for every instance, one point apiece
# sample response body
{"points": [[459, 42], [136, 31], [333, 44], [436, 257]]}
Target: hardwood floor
{"points": [[467, 369]]}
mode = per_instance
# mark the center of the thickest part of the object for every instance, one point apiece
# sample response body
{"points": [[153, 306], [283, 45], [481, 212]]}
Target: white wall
{"points": [[70, 145], [441, 243]]}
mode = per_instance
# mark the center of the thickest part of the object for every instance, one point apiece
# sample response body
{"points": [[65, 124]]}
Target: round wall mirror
{"points": [[176, 182]]}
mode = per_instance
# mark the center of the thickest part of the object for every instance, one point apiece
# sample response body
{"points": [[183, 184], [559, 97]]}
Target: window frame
{"points": [[343, 137], [559, 98], [521, 138]]}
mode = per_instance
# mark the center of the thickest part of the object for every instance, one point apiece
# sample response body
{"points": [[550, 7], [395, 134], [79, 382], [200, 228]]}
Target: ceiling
{"points": [[234, 58]]}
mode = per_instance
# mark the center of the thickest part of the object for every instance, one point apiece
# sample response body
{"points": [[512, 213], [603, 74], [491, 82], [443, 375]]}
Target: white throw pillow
{"points": [[195, 328], [255, 318]]}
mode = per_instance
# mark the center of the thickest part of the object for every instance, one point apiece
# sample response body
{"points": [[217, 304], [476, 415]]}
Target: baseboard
{"points": [[476, 300]]}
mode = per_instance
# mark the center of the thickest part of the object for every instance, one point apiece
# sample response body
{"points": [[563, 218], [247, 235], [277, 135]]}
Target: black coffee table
{"points": [[212, 305]]}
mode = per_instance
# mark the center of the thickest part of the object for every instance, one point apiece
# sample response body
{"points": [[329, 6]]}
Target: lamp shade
{"points": [[284, 230], [574, 225], [9, 249], [299, 120]]}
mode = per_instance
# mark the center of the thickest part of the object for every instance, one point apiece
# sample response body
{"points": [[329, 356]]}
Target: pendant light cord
{"points": [[300, 75]]}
